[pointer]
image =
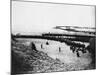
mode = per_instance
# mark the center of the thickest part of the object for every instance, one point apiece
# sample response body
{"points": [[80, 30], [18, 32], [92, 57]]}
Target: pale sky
{"points": [[41, 17]]}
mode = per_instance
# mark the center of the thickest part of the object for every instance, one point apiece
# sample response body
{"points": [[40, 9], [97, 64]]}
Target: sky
{"points": [[29, 17]]}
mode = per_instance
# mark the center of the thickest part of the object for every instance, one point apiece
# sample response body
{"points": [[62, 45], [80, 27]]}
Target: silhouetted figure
{"points": [[41, 46], [33, 46], [47, 43], [77, 53], [59, 49], [73, 49]]}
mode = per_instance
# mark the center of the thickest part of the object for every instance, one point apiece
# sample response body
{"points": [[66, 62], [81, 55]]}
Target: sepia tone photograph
{"points": [[52, 37]]}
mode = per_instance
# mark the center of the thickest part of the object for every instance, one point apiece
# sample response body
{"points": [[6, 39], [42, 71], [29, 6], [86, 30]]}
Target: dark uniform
{"points": [[59, 49], [33, 46], [41, 46]]}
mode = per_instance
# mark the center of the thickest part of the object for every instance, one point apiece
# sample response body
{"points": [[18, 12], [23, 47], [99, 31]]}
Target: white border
{"points": [[5, 36]]}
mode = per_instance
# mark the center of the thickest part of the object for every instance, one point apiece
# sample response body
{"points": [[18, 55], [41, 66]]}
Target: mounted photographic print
{"points": [[52, 37]]}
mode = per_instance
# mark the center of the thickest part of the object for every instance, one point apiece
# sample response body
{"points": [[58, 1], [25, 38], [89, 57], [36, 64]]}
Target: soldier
{"points": [[73, 49], [47, 43], [59, 49], [41, 46], [33, 46], [77, 53]]}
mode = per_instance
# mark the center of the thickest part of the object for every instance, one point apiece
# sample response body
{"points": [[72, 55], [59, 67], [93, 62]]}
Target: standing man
{"points": [[41, 46], [59, 49], [33, 46]]}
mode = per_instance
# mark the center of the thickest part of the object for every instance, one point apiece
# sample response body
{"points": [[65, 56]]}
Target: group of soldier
{"points": [[73, 48], [76, 49], [34, 47]]}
